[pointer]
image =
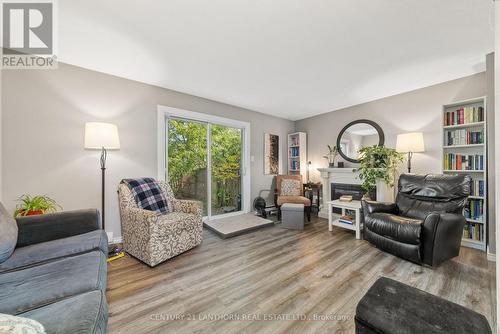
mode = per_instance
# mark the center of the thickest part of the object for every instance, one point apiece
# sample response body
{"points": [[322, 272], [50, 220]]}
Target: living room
{"points": [[263, 167]]}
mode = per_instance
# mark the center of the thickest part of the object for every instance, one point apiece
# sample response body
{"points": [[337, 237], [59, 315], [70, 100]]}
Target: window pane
{"points": [[226, 169], [187, 160]]}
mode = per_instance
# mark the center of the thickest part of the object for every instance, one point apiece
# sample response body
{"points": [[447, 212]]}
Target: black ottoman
{"points": [[391, 307]]}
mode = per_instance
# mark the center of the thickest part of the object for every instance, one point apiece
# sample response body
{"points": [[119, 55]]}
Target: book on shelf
{"points": [[346, 219], [464, 137], [457, 161], [294, 165], [474, 209], [477, 188], [294, 151], [345, 198], [464, 115], [474, 231]]}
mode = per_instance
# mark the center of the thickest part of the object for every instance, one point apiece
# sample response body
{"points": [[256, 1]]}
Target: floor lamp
{"points": [[410, 143], [104, 137]]}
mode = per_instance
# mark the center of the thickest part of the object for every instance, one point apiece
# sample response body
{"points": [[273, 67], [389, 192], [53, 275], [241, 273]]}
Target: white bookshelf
{"points": [[297, 154], [459, 145]]}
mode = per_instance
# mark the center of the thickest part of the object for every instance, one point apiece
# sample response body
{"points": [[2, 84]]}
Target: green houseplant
{"points": [[35, 205], [378, 163], [332, 154]]}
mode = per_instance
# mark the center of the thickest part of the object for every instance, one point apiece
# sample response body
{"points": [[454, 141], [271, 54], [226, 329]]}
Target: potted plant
{"points": [[35, 205], [332, 154], [377, 163]]}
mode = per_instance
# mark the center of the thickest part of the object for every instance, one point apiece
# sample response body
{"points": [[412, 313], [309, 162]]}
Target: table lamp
{"points": [[410, 143], [102, 136]]}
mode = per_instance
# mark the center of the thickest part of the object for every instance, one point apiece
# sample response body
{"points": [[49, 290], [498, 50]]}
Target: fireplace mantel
{"points": [[348, 176]]}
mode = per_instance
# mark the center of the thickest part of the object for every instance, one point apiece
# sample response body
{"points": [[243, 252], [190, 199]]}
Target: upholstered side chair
{"points": [[289, 189], [152, 237]]}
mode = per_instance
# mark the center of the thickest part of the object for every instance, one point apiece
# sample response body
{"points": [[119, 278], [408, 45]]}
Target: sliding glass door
{"points": [[225, 153], [187, 160], [204, 162]]}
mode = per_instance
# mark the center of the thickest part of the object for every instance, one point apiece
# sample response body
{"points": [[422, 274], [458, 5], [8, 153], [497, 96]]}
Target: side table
{"points": [[354, 206]]}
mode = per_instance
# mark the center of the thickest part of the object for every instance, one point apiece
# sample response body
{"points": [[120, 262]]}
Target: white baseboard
{"points": [[491, 257], [115, 240]]}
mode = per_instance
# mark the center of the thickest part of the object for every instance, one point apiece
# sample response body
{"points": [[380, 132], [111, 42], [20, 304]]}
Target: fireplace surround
{"points": [[350, 177]]}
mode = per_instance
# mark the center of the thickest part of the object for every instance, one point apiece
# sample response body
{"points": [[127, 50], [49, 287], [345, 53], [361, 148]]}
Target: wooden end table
{"points": [[354, 206]]}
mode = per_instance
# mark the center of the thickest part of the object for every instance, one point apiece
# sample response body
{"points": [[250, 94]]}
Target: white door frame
{"points": [[165, 112]]}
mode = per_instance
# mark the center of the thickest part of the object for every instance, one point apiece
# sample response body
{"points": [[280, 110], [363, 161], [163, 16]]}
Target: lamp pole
{"points": [[410, 154], [104, 155]]}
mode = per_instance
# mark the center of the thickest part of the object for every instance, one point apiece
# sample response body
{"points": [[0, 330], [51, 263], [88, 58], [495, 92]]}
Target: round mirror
{"points": [[356, 135]]}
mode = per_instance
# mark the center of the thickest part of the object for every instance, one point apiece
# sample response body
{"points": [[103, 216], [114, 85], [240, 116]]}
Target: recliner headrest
{"points": [[435, 186]]}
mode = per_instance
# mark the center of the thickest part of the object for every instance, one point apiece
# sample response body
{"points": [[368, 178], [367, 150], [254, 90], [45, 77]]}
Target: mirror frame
{"points": [[364, 121]]}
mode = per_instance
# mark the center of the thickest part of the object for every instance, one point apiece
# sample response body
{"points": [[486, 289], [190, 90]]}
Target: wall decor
{"points": [[271, 154]]}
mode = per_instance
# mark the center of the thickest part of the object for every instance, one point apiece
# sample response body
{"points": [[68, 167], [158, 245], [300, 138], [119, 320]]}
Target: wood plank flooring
{"points": [[278, 281]]}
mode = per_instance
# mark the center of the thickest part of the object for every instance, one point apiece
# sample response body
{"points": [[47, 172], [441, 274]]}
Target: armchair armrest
{"points": [[441, 237], [374, 207], [52, 226], [187, 206]]}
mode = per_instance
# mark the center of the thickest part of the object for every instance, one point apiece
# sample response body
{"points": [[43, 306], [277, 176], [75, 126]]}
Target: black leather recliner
{"points": [[426, 223]]}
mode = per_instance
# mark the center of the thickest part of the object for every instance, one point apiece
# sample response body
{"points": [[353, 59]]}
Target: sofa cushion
{"points": [[294, 200], [24, 290], [290, 187], [84, 314], [8, 234], [55, 249], [402, 229]]}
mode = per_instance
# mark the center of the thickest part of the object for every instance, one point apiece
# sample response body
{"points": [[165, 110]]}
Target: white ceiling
{"points": [[288, 58]]}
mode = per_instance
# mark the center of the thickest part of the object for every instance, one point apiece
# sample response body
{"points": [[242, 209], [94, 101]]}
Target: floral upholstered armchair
{"points": [[153, 237], [289, 189]]}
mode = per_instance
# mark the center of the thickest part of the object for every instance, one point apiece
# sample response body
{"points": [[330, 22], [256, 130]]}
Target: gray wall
{"points": [[490, 116], [44, 112], [1, 185], [419, 110]]}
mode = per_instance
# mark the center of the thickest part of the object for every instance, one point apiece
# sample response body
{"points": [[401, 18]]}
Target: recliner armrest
{"points": [[441, 237], [374, 207], [52, 226]]}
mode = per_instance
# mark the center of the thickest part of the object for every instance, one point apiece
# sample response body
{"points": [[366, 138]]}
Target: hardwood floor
{"points": [[274, 278]]}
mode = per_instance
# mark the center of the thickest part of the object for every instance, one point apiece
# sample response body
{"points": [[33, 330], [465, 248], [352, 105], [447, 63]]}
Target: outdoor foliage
{"points": [[187, 161]]}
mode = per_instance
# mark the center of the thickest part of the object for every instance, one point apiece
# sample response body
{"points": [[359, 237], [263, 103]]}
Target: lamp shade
{"points": [[410, 142], [99, 135]]}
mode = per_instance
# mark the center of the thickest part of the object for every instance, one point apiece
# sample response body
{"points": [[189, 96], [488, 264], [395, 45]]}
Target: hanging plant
{"points": [[378, 163]]}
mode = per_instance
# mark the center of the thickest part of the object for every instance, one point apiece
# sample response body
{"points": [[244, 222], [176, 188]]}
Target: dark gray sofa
{"points": [[53, 269]]}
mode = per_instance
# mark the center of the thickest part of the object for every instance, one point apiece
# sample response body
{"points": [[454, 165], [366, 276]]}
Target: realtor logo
{"points": [[28, 34]]}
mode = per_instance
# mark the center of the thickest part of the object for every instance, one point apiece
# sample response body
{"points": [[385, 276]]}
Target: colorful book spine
{"points": [[464, 137], [464, 115], [457, 161], [474, 231], [477, 188]]}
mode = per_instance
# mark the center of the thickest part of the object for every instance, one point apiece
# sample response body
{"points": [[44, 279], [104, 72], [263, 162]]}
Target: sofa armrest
{"points": [[187, 206], [374, 207], [52, 226], [441, 237]]}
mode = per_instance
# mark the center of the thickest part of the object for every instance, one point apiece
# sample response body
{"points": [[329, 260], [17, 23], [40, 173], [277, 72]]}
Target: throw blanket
{"points": [[148, 194]]}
